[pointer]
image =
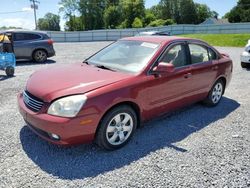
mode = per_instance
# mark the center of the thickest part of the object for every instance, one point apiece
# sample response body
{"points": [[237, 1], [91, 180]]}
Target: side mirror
{"points": [[164, 68]]}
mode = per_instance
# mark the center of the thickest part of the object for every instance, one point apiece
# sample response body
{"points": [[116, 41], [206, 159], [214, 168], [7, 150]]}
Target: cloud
{"points": [[59, 6], [17, 22], [26, 9]]}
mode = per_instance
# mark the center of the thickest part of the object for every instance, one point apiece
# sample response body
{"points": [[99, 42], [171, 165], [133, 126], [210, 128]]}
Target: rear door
{"points": [[204, 68], [24, 44]]}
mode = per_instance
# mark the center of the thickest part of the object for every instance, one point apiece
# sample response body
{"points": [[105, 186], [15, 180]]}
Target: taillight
{"points": [[50, 41]]}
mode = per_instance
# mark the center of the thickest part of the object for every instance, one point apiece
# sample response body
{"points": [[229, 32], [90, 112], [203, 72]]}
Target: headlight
{"points": [[67, 106]]}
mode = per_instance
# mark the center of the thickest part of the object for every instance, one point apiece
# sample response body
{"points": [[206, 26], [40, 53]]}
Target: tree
{"points": [[240, 13], [161, 22], [75, 23], [92, 13], [70, 10], [188, 14], [137, 23], [204, 12], [170, 9], [112, 17], [50, 22], [149, 17], [130, 10], [156, 11]]}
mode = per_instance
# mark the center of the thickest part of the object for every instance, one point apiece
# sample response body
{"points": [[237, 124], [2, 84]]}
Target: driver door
{"points": [[169, 91]]}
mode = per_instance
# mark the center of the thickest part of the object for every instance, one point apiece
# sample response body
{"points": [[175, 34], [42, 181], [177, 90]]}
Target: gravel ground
{"points": [[194, 147]]}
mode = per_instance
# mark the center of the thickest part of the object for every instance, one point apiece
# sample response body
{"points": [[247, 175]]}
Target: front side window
{"points": [[125, 56], [212, 54], [176, 55], [198, 53], [19, 37], [26, 36]]}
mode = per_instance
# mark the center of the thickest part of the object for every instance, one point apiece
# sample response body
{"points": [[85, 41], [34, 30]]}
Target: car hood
{"points": [[57, 81]]}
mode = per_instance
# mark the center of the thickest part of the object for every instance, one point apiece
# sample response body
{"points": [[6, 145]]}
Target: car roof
{"points": [[24, 31], [161, 39]]}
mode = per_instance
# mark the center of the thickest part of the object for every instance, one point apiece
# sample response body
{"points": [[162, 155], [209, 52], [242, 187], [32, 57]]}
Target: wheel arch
{"points": [[131, 104], [224, 80]]}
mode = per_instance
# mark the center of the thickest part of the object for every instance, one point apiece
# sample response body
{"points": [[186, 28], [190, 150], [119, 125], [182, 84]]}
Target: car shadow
{"points": [[5, 77], [30, 62], [88, 160]]}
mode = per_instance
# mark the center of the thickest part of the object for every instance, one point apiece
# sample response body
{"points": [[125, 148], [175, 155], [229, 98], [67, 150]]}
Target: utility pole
{"points": [[34, 6]]}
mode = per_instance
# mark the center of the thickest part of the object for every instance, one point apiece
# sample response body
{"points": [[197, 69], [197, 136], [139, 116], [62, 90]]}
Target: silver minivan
{"points": [[31, 45]]}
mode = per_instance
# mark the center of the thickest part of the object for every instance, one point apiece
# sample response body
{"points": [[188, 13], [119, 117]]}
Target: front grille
{"points": [[32, 102]]}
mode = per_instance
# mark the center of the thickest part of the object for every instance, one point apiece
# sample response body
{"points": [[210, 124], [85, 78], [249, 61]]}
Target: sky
{"points": [[25, 17]]}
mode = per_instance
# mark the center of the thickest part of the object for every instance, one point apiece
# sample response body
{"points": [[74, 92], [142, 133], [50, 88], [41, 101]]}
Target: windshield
{"points": [[125, 56]]}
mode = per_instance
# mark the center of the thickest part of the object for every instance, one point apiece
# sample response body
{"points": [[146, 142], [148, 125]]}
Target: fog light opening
{"points": [[54, 136]]}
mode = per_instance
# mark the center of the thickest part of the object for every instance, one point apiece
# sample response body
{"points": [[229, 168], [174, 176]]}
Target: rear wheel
{"points": [[10, 71], [117, 128], [215, 94], [243, 65], [40, 56]]}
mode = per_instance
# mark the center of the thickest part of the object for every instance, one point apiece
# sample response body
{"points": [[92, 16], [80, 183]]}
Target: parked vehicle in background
{"points": [[106, 97], [245, 56], [31, 45], [7, 57], [154, 33]]}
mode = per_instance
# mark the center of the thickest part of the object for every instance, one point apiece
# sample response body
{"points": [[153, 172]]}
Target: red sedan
{"points": [[106, 97]]}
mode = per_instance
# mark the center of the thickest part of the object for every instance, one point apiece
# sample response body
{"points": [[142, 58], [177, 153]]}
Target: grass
{"points": [[234, 40]]}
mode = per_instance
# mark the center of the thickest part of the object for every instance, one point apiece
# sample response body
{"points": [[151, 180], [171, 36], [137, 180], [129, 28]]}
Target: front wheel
{"points": [[215, 94], [40, 56], [116, 128]]}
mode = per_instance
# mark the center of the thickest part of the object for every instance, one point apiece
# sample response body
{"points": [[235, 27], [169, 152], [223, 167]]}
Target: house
{"points": [[215, 21]]}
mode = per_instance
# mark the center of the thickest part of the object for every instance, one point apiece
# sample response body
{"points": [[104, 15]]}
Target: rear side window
{"points": [[175, 55], [26, 36], [198, 53]]}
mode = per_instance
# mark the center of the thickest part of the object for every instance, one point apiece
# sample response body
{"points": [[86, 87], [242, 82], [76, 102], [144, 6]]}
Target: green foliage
{"points": [[50, 22], [112, 17], [110, 14], [204, 12], [188, 14], [137, 23], [234, 40], [240, 13], [130, 10], [9, 27], [149, 17], [74, 24], [156, 11], [183, 11], [161, 22], [92, 12], [70, 9]]}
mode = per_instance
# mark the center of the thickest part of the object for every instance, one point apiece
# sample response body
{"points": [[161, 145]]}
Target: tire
{"points": [[10, 71], [215, 94], [40, 56], [116, 128], [243, 65]]}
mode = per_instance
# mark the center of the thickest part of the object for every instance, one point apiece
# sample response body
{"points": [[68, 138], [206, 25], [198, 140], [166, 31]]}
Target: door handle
{"points": [[188, 75], [215, 67]]}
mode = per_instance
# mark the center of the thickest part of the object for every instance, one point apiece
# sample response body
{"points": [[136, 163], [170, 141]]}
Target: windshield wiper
{"points": [[104, 67], [86, 62]]}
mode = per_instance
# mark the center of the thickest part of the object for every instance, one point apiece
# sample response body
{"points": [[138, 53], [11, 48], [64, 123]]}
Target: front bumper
{"points": [[245, 57], [71, 130]]}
